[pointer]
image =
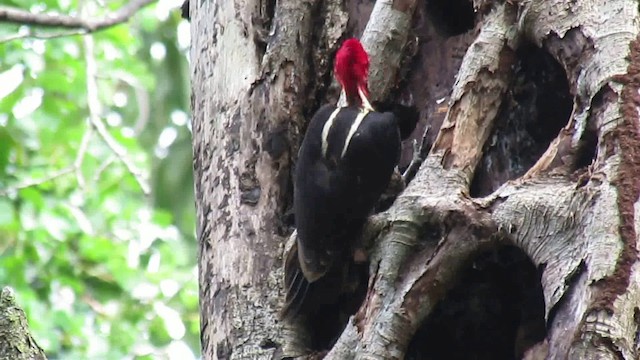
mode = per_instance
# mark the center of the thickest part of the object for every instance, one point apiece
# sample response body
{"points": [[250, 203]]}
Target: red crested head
{"points": [[351, 68]]}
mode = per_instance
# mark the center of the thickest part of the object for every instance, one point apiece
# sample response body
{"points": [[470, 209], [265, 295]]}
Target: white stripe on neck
{"points": [[354, 127], [365, 102], [342, 101], [325, 130]]}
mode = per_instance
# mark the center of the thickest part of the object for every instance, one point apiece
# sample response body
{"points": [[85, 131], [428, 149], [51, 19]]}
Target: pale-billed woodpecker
{"points": [[345, 163]]}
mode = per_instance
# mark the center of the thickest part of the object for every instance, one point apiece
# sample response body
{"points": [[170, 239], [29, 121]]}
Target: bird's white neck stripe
{"points": [[365, 102], [354, 127], [325, 130]]}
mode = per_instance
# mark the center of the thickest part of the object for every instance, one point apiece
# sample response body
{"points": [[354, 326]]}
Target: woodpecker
{"points": [[345, 162]]}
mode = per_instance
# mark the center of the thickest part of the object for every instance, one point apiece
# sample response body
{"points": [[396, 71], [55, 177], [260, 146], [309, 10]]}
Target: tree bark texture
{"points": [[566, 192], [16, 342]]}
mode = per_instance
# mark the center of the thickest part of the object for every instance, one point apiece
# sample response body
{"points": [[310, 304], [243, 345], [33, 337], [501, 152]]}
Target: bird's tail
{"points": [[295, 284]]}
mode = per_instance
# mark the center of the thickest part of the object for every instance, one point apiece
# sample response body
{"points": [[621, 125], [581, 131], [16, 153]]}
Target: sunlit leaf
{"points": [[158, 334], [6, 212]]}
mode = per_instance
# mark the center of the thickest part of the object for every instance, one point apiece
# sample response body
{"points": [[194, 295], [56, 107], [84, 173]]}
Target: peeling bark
{"points": [[259, 69]]}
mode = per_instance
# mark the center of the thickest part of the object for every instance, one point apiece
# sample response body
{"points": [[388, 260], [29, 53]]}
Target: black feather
{"points": [[334, 193]]}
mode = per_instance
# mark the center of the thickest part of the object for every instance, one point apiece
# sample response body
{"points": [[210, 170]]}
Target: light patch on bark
{"points": [[385, 51]]}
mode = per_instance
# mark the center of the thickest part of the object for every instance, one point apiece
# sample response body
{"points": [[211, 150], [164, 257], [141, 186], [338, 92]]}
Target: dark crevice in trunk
{"points": [[262, 26], [320, 66], [537, 105], [587, 147], [401, 100], [184, 10], [431, 73], [269, 9], [451, 17], [570, 282], [495, 312]]}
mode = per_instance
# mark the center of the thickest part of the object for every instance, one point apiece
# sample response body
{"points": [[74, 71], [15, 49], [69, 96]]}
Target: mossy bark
{"points": [[16, 343]]}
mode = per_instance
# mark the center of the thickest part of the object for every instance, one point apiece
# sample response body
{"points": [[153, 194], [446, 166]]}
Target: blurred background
{"points": [[97, 220]]}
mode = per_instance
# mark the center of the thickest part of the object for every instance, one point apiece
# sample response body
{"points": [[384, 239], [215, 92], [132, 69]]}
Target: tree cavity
{"points": [[536, 106], [496, 311], [451, 17]]}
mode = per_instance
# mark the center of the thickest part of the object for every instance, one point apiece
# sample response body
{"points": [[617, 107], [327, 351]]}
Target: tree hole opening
{"points": [[536, 106], [587, 147], [496, 311], [451, 17]]}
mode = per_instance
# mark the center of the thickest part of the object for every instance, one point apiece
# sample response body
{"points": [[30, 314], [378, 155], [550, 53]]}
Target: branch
{"points": [[77, 164], [419, 154], [23, 17], [103, 166], [428, 274], [29, 33], [93, 102], [36, 182], [142, 100], [75, 167]]}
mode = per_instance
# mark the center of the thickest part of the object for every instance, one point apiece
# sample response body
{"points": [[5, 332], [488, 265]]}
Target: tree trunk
{"points": [[16, 342], [537, 156]]}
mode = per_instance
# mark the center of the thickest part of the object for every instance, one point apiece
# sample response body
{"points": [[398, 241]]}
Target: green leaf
{"points": [[92, 233], [7, 214], [34, 196], [158, 334]]}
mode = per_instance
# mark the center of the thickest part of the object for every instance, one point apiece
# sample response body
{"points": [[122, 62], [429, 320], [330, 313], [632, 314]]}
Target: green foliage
{"points": [[102, 270]]}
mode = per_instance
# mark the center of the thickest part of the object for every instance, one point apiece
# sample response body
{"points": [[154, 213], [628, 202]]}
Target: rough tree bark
{"points": [[261, 67], [16, 342]]}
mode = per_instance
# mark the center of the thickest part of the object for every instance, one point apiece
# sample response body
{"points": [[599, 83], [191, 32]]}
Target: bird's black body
{"points": [[335, 190], [334, 193]]}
